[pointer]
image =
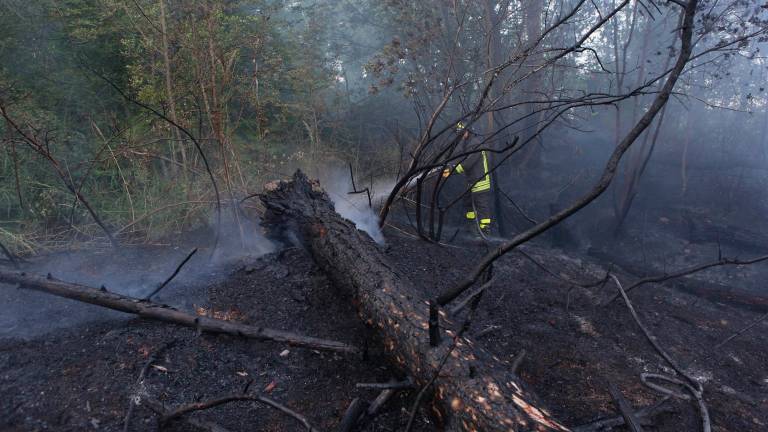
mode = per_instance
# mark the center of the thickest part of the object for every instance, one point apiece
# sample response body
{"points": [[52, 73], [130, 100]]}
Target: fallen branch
{"points": [[135, 399], [375, 407], [165, 313], [351, 417], [630, 417], [199, 406], [378, 403], [159, 409], [695, 387], [644, 414]]}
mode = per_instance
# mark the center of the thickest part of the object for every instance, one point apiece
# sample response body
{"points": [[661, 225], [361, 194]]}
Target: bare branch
{"points": [[608, 173]]}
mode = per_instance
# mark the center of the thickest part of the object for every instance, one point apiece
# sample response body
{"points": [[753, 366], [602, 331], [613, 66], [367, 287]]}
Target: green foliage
{"points": [[252, 81]]}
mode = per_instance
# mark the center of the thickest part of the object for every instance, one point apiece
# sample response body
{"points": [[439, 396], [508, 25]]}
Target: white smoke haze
{"points": [[240, 236], [134, 272], [355, 207], [137, 271]]}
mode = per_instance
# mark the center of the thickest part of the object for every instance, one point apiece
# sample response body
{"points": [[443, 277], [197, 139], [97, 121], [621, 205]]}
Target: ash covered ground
{"points": [[75, 374]]}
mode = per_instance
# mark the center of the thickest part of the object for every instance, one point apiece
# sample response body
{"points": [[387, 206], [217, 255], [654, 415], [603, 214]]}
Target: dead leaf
{"points": [[271, 386]]}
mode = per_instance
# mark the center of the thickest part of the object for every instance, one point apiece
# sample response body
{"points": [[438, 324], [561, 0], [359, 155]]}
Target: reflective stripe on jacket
{"points": [[485, 183]]}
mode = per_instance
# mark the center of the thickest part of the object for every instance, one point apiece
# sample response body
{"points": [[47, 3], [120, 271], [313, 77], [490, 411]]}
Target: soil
{"points": [[79, 375]]}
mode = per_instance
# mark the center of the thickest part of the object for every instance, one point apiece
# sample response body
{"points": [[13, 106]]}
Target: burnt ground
{"points": [[79, 376]]}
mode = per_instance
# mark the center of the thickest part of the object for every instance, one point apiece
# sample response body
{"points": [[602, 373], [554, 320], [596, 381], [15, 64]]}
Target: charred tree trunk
{"points": [[475, 391]]}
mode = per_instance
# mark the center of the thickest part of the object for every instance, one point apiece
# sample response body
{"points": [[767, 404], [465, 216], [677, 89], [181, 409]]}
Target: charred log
{"points": [[475, 391], [165, 313]]}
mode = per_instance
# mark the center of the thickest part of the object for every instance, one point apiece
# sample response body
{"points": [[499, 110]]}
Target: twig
{"points": [[689, 271], [135, 398], [199, 406], [732, 337], [740, 332], [644, 377], [486, 331], [354, 188], [43, 149], [159, 409], [517, 207], [185, 132], [170, 278]]}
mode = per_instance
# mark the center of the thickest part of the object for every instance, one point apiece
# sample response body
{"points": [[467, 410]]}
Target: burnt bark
{"points": [[475, 391]]}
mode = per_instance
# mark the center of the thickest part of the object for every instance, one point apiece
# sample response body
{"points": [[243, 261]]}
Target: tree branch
{"points": [[608, 173]]}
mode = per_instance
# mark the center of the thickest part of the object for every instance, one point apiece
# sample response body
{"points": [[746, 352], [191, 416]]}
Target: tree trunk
{"points": [[169, 94], [475, 391]]}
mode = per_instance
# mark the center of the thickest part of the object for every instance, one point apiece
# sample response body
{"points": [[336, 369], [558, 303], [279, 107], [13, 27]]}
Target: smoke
{"points": [[240, 236], [132, 271], [354, 207], [136, 271]]}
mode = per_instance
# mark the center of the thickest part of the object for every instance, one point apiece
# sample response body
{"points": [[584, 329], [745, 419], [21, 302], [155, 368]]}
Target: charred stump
{"points": [[475, 391]]}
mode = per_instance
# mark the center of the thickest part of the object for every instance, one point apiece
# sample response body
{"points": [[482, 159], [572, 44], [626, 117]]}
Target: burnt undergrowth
{"points": [[82, 375]]}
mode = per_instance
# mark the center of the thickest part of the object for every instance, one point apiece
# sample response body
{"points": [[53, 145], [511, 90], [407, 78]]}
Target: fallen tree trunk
{"points": [[165, 313], [475, 390]]}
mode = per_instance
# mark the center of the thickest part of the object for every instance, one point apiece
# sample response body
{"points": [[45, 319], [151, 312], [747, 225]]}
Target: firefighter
{"points": [[476, 171]]}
